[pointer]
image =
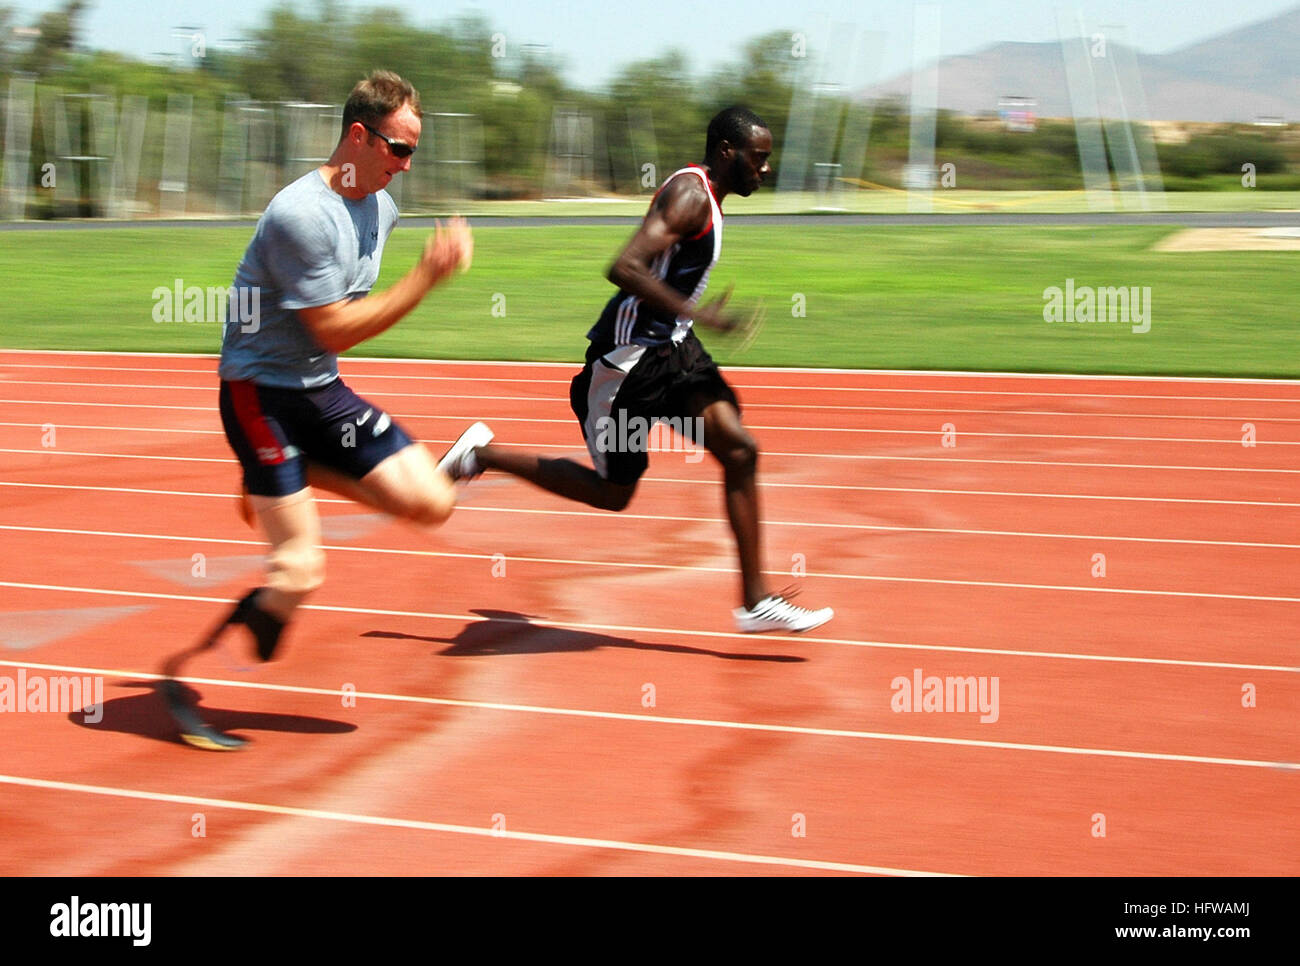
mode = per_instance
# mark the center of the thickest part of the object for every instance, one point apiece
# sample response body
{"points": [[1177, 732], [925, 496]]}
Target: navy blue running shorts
{"points": [[276, 432]]}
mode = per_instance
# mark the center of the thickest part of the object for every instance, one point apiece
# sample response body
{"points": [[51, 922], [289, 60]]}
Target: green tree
{"points": [[58, 30], [663, 90], [762, 80], [297, 56], [6, 40]]}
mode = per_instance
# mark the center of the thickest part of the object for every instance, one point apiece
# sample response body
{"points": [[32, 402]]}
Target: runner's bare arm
{"points": [[341, 325], [680, 211]]}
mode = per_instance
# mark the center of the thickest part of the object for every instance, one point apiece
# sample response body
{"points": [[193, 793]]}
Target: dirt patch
{"points": [[1232, 240]]}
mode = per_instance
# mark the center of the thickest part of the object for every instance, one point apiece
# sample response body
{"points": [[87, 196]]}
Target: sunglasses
{"points": [[400, 149]]}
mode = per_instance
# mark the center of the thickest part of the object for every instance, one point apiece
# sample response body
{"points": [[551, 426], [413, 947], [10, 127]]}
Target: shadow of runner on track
{"points": [[508, 632], [146, 715]]}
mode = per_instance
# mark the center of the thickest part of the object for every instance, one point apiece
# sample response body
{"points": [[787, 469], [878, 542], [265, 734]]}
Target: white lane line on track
{"points": [[803, 730], [54, 451], [882, 528], [505, 834], [1015, 493], [506, 363], [180, 431], [714, 635], [560, 401], [210, 388], [868, 528], [104, 405], [460, 397], [210, 410], [757, 387], [1232, 440], [229, 461], [722, 570], [762, 485], [999, 584], [1073, 414]]}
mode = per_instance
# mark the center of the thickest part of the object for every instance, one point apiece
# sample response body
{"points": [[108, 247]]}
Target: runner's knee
{"points": [[432, 507], [407, 486], [738, 454], [296, 571]]}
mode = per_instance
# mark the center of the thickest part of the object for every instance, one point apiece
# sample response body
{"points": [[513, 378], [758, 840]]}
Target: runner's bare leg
{"points": [[736, 450], [560, 476]]}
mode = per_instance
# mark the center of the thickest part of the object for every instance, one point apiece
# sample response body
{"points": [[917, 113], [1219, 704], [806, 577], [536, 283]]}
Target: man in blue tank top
{"points": [[645, 365], [298, 300]]}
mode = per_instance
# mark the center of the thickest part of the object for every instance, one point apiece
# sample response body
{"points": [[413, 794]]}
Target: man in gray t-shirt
{"points": [[313, 246], [299, 299]]}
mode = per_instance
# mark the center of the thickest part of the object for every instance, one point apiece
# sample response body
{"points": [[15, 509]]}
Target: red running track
{"points": [[537, 688]]}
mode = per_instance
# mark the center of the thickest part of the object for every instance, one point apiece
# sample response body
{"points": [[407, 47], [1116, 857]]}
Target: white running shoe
{"points": [[460, 462], [775, 613]]}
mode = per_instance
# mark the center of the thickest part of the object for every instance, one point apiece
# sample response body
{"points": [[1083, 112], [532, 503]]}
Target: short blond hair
{"points": [[376, 97]]}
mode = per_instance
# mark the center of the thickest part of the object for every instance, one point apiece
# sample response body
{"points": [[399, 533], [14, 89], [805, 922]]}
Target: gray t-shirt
{"points": [[312, 247]]}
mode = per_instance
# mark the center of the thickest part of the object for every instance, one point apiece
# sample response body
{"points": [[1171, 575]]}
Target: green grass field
{"points": [[891, 201], [929, 298]]}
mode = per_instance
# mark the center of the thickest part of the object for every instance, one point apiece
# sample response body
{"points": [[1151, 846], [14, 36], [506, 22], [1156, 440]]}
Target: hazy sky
{"points": [[594, 37]]}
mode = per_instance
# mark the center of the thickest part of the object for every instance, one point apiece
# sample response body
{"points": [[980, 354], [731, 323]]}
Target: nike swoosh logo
{"points": [[361, 420]]}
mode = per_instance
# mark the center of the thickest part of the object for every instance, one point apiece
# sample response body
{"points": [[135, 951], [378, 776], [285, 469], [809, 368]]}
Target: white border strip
{"points": [[570, 365]]}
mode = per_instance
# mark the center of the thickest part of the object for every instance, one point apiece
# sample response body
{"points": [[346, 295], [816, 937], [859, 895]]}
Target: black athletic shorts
{"points": [[275, 432], [623, 390]]}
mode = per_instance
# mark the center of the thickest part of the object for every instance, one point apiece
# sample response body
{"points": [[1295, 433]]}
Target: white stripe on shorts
{"points": [[606, 380]]}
